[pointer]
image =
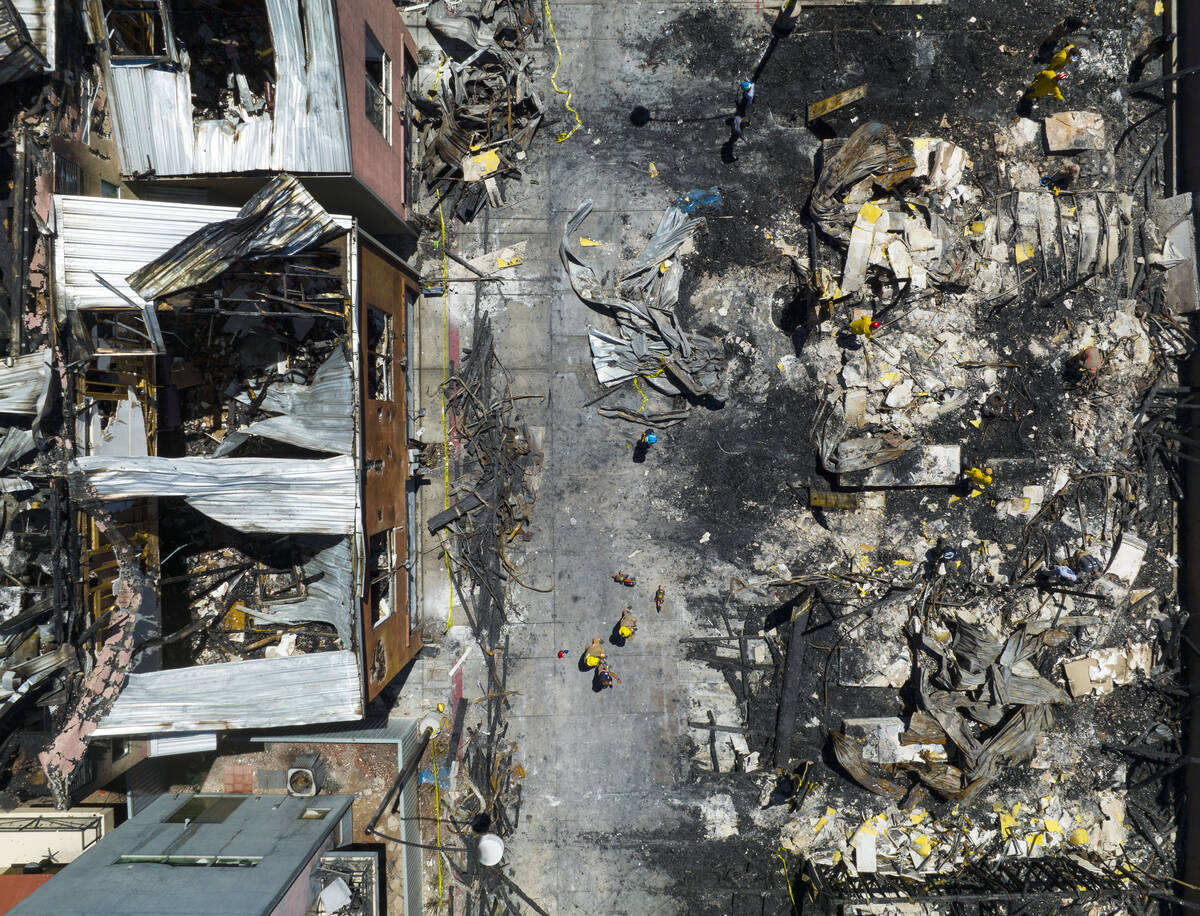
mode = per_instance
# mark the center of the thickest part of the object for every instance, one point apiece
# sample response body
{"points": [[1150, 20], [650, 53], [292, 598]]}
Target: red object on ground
{"points": [[875, 325], [562, 653]]}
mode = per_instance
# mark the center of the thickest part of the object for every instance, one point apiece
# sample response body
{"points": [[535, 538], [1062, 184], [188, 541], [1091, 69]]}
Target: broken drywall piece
{"points": [[871, 222], [900, 395], [480, 165], [880, 737], [854, 407], [864, 852], [1127, 561], [508, 256], [1098, 672], [931, 466], [947, 166], [1074, 130], [899, 259], [1017, 137]]}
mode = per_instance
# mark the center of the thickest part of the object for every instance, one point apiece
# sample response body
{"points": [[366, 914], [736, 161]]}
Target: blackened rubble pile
{"points": [[477, 107], [493, 503], [987, 667], [1009, 496]]}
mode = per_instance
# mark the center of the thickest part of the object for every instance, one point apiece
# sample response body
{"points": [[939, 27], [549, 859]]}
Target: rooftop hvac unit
{"points": [[306, 776]]}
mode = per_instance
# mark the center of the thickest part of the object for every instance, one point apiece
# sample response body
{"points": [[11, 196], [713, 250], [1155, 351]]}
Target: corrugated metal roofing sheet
{"points": [[257, 693], [255, 495], [116, 237], [281, 219], [20, 54], [39, 18], [310, 130]]}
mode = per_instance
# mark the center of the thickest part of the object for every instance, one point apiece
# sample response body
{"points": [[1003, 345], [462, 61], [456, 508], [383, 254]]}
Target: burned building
{"points": [[212, 96], [238, 395]]}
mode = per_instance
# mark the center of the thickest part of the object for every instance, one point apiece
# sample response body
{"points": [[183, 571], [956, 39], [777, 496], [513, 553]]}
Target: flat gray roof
{"points": [[269, 828]]}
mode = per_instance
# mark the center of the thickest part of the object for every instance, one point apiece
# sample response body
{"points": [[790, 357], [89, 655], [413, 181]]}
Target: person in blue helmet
{"points": [[746, 99]]}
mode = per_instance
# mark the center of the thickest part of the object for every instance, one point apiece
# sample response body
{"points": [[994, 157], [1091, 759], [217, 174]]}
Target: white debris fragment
{"points": [[1127, 561], [720, 817], [1074, 130]]}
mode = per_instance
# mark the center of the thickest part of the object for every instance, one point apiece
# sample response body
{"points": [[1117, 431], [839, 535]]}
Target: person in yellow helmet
{"points": [[627, 625], [981, 477], [864, 326], [594, 654], [1047, 81]]}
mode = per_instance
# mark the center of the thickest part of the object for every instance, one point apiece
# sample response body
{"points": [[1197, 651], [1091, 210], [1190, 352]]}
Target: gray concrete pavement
{"points": [[611, 816]]}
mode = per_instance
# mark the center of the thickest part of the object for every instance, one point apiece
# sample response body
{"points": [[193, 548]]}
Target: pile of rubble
{"points": [[653, 348], [476, 107]]}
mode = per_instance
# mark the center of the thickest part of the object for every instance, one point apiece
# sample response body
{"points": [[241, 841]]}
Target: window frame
{"points": [[382, 87]]}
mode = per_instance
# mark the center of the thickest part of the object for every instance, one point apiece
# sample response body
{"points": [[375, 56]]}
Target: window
{"points": [[381, 569], [205, 809], [137, 29], [379, 86], [379, 354], [108, 189], [66, 175], [120, 747]]}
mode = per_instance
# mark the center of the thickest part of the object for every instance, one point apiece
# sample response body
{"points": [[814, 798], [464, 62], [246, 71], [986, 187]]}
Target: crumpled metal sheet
{"points": [[254, 495], [16, 443], [466, 27], [329, 598], [253, 693], [316, 416], [19, 56], [849, 755], [280, 220], [652, 342], [872, 150], [25, 384]]}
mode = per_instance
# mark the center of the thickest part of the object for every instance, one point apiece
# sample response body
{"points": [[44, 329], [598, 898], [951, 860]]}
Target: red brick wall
{"points": [[378, 164]]}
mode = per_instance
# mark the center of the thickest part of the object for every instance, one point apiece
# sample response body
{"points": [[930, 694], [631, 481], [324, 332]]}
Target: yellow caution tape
{"points": [[589, 243], [445, 437], [566, 135]]}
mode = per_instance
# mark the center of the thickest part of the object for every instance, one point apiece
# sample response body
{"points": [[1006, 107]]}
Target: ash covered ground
{"points": [[1076, 458]]}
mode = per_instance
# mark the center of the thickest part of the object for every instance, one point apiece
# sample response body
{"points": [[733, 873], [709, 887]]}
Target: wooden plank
{"points": [[836, 101]]}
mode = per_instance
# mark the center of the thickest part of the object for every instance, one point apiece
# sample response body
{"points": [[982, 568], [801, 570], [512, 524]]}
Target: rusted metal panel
{"points": [[387, 644], [834, 102]]}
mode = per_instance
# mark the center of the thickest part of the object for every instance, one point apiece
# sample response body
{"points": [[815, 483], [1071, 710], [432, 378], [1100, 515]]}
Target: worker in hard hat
{"points": [[981, 477], [605, 676], [594, 655], [864, 326], [746, 96], [627, 625], [1047, 81]]}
